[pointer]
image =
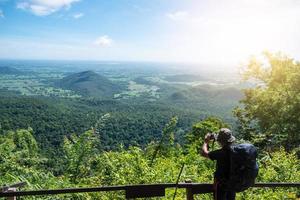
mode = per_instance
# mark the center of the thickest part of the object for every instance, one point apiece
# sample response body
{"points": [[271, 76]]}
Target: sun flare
{"points": [[232, 31]]}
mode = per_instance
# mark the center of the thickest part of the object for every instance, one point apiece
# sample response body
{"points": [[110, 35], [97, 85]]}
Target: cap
{"points": [[225, 136]]}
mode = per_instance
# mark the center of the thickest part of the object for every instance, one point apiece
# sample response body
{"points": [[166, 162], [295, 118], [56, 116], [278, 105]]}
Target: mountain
{"points": [[89, 83], [209, 93], [9, 71]]}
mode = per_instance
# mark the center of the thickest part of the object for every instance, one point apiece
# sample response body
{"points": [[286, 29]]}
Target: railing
{"points": [[135, 191]]}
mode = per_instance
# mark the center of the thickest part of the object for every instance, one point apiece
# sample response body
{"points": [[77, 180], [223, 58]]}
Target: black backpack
{"points": [[243, 167]]}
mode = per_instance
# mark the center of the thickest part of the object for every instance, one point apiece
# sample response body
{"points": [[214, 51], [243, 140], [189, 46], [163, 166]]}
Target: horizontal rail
{"points": [[61, 191], [196, 187], [277, 185]]}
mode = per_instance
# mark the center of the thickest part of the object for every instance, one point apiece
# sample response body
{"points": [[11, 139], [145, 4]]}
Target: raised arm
{"points": [[205, 146]]}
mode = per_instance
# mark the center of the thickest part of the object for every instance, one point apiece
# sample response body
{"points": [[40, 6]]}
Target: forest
{"points": [[84, 141]]}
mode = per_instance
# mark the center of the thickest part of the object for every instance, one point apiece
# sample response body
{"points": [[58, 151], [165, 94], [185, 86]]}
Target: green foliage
{"points": [[166, 143], [168, 134], [19, 149], [270, 113], [199, 130], [25, 142], [80, 152], [20, 161], [51, 119], [87, 167]]}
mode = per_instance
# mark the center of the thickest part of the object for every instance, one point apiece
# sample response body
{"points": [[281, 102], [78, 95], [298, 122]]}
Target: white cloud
{"points": [[78, 15], [104, 41], [178, 15], [44, 7], [1, 14]]}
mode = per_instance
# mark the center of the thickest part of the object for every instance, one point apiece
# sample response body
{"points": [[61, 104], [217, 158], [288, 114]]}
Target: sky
{"points": [[202, 31]]}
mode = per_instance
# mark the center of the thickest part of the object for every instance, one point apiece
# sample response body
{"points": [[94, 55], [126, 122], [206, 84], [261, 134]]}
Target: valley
{"points": [[62, 98]]}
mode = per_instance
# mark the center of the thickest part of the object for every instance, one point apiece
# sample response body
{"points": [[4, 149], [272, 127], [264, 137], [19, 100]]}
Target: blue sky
{"points": [[206, 31]]}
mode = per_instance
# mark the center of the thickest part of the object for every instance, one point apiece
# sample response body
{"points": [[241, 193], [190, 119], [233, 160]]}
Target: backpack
{"points": [[243, 167]]}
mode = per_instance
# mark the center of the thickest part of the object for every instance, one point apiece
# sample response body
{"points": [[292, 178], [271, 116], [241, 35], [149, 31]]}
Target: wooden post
{"points": [[189, 194], [12, 190], [189, 191]]}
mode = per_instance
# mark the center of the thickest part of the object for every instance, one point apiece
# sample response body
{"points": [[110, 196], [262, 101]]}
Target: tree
{"points": [[167, 139], [199, 130], [80, 152], [19, 148], [269, 115]]}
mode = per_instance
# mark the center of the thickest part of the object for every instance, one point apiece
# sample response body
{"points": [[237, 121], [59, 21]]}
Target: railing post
{"points": [[189, 191], [189, 194], [11, 190]]}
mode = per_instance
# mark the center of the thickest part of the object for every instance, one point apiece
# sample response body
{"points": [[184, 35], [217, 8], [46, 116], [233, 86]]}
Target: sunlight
{"points": [[230, 33]]}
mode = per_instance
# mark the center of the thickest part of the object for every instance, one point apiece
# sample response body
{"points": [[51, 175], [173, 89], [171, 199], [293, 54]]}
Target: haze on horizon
{"points": [[210, 32]]}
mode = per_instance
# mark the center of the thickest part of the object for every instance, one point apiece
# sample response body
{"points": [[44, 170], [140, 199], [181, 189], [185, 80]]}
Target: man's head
{"points": [[225, 137]]}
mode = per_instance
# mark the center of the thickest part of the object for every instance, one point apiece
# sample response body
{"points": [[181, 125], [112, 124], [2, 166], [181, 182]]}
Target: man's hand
{"points": [[207, 138], [205, 147]]}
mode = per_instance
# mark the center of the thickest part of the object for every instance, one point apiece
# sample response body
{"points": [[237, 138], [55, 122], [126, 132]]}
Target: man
{"points": [[222, 156]]}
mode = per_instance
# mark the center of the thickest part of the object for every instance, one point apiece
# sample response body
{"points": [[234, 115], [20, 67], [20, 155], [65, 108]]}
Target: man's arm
{"points": [[205, 147]]}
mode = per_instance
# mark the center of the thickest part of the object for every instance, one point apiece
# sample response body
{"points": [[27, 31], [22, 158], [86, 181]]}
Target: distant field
{"points": [[137, 90], [34, 85]]}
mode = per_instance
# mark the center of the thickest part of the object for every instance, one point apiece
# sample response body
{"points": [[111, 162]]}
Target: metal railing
{"points": [[133, 191]]}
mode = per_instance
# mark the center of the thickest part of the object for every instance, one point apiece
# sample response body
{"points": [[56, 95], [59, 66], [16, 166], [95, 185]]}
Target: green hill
{"points": [[89, 83], [210, 100], [209, 93]]}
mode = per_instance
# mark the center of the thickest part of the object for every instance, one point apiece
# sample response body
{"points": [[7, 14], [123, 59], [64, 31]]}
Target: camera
{"points": [[212, 136]]}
